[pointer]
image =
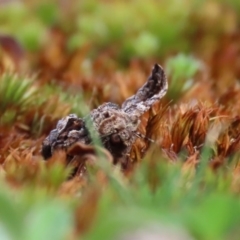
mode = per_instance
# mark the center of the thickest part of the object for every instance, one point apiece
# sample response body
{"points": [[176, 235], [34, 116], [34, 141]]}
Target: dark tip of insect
{"points": [[156, 67], [46, 152]]}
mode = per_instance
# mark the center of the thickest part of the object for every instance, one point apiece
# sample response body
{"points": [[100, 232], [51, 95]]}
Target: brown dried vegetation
{"points": [[173, 128]]}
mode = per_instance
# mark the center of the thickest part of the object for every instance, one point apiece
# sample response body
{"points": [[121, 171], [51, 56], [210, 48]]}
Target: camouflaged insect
{"points": [[116, 126]]}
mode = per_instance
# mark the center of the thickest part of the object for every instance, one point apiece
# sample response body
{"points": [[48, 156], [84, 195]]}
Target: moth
{"points": [[116, 126]]}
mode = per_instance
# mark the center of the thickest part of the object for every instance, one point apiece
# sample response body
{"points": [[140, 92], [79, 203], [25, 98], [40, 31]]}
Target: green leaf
{"points": [[181, 70], [15, 92], [48, 221], [10, 216]]}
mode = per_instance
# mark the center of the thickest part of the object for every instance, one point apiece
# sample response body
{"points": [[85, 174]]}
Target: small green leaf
{"points": [[48, 221]]}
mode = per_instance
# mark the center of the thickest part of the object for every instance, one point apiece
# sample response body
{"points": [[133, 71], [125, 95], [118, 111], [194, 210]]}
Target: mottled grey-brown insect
{"points": [[116, 126]]}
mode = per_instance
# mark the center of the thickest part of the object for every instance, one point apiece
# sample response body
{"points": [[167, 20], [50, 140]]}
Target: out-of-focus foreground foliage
{"points": [[61, 57]]}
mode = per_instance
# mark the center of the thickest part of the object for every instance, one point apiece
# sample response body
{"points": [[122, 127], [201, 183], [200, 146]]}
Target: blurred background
{"points": [[67, 40], [61, 57]]}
